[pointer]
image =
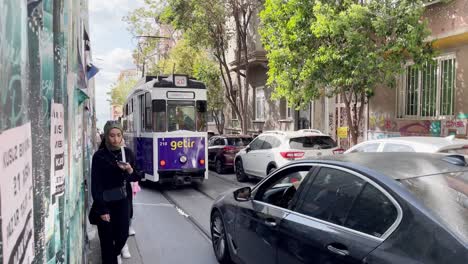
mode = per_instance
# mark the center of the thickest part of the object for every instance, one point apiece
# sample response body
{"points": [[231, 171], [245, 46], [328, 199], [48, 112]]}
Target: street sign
{"points": [[342, 132]]}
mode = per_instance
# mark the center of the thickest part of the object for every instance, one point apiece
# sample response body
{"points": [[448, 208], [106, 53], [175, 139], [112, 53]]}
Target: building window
{"points": [[428, 92], [285, 110], [260, 103]]}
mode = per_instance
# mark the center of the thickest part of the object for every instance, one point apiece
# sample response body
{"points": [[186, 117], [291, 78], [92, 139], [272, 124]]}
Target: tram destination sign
{"points": [[180, 95]]}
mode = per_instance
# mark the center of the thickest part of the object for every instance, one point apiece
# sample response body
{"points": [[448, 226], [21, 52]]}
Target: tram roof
{"points": [[167, 81]]}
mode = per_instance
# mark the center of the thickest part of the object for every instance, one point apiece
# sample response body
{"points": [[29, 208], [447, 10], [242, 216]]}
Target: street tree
{"points": [[208, 72], [345, 48], [145, 26], [207, 24], [120, 90]]}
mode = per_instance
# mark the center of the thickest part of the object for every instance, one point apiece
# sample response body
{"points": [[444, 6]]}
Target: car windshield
{"points": [[181, 115], [312, 142], [446, 195], [239, 142]]}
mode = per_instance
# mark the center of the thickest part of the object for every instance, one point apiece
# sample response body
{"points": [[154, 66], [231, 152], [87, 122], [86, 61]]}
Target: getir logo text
{"points": [[186, 143]]}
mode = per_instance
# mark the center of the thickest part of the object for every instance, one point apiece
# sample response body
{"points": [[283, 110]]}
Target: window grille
{"points": [[427, 92]]}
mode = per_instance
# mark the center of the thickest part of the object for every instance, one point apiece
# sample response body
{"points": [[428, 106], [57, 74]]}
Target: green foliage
{"points": [[120, 90], [143, 21], [318, 48], [203, 21], [208, 72]]}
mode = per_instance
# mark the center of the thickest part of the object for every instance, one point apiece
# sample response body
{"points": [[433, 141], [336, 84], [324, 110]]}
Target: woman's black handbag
{"points": [[115, 194]]}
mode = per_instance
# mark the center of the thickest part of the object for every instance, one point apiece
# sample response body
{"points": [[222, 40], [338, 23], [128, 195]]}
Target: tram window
{"points": [[159, 115], [141, 101], [148, 113], [181, 115], [201, 115]]}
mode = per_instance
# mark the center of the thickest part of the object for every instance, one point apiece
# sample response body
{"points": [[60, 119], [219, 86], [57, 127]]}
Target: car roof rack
{"points": [[278, 132], [310, 130]]}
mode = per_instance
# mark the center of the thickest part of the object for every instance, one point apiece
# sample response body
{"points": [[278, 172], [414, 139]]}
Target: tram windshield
{"points": [[181, 115]]}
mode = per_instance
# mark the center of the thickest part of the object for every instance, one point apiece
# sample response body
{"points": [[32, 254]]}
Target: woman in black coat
{"points": [[109, 178]]}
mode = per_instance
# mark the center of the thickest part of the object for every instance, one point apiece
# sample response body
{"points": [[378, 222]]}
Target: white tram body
{"points": [[164, 120]]}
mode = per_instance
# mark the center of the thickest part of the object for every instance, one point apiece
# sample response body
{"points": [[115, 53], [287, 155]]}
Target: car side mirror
{"points": [[243, 194], [247, 149]]}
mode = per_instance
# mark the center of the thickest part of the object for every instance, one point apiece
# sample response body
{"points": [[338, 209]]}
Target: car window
{"points": [[239, 142], [257, 143], [211, 141], [372, 147], [392, 147], [312, 142], [372, 213], [219, 142], [331, 195], [271, 142], [281, 189]]}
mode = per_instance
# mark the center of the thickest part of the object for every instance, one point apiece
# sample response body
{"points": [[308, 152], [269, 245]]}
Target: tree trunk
{"points": [[354, 113], [218, 117]]}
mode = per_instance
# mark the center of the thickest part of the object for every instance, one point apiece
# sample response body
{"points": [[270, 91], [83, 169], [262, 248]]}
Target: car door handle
{"points": [[270, 222], [341, 252]]}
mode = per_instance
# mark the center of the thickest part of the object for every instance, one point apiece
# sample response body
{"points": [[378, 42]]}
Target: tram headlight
{"points": [[183, 159]]}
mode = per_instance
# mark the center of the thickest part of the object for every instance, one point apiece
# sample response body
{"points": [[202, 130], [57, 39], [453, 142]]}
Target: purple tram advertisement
{"points": [[181, 160]]}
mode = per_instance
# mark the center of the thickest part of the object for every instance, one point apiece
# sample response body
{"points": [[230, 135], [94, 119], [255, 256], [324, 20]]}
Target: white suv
{"points": [[273, 149]]}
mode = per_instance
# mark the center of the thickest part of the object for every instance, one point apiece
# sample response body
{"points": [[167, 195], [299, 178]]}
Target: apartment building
{"points": [[432, 101]]}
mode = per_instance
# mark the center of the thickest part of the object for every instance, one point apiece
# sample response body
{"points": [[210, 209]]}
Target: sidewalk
{"points": [[94, 253]]}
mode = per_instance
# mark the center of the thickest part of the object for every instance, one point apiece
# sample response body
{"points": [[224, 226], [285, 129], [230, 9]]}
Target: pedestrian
{"points": [[113, 167]]}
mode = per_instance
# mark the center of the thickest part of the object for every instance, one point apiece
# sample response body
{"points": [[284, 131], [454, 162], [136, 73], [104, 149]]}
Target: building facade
{"points": [[46, 113], [432, 101]]}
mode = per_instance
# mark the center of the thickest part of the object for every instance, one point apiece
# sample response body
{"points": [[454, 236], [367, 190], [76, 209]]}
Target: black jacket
{"points": [[106, 175]]}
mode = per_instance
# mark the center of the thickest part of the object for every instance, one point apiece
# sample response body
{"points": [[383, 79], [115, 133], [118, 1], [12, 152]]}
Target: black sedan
{"points": [[356, 208]]}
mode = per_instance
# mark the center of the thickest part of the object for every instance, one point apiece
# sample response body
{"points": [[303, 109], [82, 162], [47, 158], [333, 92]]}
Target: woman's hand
{"points": [[105, 217], [125, 167]]}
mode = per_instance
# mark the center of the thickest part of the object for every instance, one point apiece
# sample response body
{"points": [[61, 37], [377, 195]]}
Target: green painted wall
{"points": [[42, 58]]}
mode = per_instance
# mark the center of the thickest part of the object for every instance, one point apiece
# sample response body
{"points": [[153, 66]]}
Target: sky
{"points": [[111, 47]]}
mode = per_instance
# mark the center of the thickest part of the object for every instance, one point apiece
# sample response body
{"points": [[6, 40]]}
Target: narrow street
{"points": [[172, 225]]}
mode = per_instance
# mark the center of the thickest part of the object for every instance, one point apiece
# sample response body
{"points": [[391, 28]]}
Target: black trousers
{"points": [[114, 234]]}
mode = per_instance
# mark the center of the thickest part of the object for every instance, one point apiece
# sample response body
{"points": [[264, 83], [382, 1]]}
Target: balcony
{"points": [[255, 58]]}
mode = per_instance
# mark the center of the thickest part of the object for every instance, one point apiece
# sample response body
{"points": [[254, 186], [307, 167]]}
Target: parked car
{"points": [[413, 144], [357, 208], [222, 150], [272, 149]]}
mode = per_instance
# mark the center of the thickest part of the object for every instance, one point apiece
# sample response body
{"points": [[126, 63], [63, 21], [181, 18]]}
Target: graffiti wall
{"points": [[383, 125], [46, 119]]}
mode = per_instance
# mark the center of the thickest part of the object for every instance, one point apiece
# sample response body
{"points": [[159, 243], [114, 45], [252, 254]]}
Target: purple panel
{"points": [[144, 154], [172, 149]]}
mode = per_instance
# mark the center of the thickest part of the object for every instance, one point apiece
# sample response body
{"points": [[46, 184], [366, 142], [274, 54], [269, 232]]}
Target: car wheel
{"points": [[219, 166], [270, 170], [219, 239], [240, 174]]}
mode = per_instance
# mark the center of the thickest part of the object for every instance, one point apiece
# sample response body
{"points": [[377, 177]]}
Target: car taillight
{"points": [[292, 154], [229, 149], [338, 151]]}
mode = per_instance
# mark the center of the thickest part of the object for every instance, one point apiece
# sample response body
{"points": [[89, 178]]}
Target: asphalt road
{"points": [[172, 224]]}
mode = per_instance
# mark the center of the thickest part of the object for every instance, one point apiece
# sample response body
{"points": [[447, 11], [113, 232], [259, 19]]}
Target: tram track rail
{"points": [[205, 233]]}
